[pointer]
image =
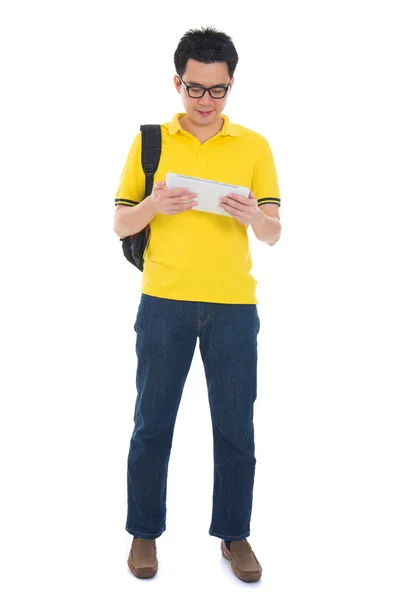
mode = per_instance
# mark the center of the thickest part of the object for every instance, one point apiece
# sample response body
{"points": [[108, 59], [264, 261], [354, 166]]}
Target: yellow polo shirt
{"points": [[196, 255]]}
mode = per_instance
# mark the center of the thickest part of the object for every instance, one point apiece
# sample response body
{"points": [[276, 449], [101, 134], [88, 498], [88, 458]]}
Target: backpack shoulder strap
{"points": [[151, 152]]}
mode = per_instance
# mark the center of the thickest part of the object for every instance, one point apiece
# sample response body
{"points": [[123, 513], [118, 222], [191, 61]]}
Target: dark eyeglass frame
{"points": [[189, 87]]}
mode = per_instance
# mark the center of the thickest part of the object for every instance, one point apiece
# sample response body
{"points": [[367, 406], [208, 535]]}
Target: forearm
{"points": [[129, 220], [267, 229]]}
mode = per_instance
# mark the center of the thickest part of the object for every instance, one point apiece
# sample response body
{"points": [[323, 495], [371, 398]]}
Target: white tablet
{"points": [[208, 192]]}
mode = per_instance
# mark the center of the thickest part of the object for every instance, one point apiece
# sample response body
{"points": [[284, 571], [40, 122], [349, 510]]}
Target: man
{"points": [[197, 284]]}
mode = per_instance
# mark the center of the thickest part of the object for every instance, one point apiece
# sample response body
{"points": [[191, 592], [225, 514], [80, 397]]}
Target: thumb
{"points": [[159, 185]]}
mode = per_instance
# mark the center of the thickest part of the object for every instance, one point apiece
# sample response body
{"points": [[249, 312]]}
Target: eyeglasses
{"points": [[195, 91]]}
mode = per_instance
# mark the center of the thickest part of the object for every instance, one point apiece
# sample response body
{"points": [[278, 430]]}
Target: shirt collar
{"points": [[228, 128]]}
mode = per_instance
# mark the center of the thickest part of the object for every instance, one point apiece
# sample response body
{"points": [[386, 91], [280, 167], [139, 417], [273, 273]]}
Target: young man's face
{"points": [[205, 110]]}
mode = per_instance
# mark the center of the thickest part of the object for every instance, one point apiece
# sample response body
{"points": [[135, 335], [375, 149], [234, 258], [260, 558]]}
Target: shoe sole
{"points": [[249, 577]]}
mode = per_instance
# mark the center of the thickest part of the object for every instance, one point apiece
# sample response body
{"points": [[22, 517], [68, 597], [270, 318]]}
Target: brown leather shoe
{"points": [[142, 559], [243, 560]]}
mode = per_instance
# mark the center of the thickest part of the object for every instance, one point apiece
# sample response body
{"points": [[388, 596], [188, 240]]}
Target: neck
{"points": [[201, 132]]}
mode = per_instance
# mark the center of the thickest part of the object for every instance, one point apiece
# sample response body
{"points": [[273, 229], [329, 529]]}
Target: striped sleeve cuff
{"points": [[269, 201], [125, 202]]}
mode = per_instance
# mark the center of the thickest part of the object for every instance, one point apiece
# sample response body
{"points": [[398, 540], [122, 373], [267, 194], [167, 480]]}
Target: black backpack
{"points": [[133, 246]]}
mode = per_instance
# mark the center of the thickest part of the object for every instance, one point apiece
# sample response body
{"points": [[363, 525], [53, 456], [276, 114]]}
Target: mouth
{"points": [[204, 113]]}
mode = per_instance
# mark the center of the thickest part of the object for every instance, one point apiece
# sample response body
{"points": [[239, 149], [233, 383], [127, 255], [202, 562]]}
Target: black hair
{"points": [[205, 45]]}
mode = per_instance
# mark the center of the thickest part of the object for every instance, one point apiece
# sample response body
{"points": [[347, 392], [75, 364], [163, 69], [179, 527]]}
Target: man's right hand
{"points": [[171, 202]]}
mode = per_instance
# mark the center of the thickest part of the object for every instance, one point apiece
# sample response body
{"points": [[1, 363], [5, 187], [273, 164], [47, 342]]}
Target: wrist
{"points": [[258, 217], [148, 201]]}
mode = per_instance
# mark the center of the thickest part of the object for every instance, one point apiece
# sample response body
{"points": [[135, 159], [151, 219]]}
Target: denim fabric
{"points": [[166, 338]]}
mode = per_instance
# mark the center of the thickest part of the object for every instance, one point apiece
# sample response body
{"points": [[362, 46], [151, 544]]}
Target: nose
{"points": [[206, 99]]}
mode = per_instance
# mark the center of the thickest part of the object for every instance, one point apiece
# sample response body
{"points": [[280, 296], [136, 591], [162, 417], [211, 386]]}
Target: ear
{"points": [[177, 84]]}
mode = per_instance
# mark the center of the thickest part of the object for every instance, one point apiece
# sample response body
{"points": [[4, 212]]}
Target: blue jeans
{"points": [[167, 332]]}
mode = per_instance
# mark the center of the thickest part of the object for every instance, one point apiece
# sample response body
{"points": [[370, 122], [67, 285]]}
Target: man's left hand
{"points": [[245, 210]]}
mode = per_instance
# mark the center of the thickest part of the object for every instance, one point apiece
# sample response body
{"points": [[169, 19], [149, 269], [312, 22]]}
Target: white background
{"points": [[320, 81]]}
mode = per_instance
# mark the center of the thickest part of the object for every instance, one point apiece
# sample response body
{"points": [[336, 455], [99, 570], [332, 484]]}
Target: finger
{"points": [[181, 203], [236, 198], [180, 192], [187, 199]]}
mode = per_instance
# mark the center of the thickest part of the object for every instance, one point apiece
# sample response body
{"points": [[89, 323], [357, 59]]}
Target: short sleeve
{"points": [[131, 189], [265, 181]]}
